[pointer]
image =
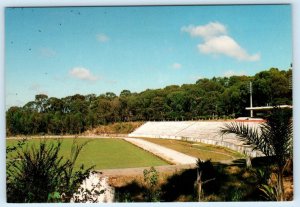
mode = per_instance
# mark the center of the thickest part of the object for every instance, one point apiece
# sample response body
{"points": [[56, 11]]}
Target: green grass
{"points": [[199, 150], [106, 153]]}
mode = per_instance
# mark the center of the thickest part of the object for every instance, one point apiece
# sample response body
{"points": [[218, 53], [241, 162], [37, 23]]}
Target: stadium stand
{"points": [[207, 132]]}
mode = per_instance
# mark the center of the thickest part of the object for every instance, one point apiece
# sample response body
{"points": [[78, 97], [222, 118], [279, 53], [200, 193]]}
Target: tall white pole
{"points": [[251, 111]]}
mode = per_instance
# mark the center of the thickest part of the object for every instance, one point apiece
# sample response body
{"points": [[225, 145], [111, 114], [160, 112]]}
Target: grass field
{"points": [[200, 150], [107, 153]]}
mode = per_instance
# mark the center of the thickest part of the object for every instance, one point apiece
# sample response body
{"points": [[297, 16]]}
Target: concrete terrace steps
{"points": [[198, 131]]}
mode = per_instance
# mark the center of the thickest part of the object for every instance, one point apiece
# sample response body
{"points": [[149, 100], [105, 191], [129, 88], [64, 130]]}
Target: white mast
{"points": [[250, 88]]}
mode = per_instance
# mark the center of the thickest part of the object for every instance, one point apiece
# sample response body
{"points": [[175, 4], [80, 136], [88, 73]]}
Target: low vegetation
{"points": [[220, 182], [38, 173], [117, 128]]}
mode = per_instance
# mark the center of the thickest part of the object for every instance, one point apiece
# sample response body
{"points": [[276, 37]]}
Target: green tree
{"points": [[178, 103], [272, 87], [125, 93], [41, 102], [103, 110], [207, 98], [110, 95], [157, 106]]}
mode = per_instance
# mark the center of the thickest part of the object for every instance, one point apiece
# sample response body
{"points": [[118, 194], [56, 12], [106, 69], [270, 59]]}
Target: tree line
{"points": [[218, 97]]}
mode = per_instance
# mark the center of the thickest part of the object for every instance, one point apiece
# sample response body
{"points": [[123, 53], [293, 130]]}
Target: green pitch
{"points": [[107, 153]]}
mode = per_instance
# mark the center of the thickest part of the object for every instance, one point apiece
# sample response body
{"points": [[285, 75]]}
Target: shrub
{"points": [[151, 181], [39, 174]]}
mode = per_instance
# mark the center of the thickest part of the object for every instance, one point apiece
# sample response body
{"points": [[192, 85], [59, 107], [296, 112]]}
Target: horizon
{"points": [[153, 47]]}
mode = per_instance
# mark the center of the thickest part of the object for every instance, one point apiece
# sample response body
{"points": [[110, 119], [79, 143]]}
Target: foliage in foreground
{"points": [[151, 181], [220, 182], [273, 138], [39, 174]]}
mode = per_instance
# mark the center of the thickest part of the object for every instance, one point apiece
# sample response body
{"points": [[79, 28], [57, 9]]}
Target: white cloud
{"points": [[83, 74], [102, 38], [176, 65], [217, 42], [227, 46], [208, 31]]}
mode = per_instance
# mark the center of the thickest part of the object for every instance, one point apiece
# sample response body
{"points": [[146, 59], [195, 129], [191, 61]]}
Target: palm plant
{"points": [[40, 174], [35, 173], [273, 138]]}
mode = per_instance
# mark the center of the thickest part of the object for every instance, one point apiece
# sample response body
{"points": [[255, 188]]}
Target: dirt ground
{"points": [[139, 171]]}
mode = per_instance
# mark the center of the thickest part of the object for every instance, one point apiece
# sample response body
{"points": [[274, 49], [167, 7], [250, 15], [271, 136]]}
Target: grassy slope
{"points": [[108, 154], [200, 150]]}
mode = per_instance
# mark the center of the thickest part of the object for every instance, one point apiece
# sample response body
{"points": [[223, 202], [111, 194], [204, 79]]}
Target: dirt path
{"points": [[139, 171]]}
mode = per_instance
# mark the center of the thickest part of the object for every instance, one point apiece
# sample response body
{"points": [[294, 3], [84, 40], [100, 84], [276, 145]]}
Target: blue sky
{"points": [[62, 51]]}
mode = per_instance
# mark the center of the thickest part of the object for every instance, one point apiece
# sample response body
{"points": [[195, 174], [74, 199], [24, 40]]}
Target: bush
{"points": [[115, 128], [151, 181], [39, 174]]}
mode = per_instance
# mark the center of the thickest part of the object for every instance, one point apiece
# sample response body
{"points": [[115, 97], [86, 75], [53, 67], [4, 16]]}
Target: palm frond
{"points": [[250, 135]]}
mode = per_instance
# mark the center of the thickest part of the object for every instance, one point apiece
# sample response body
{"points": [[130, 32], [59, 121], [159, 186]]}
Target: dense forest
{"points": [[218, 97]]}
